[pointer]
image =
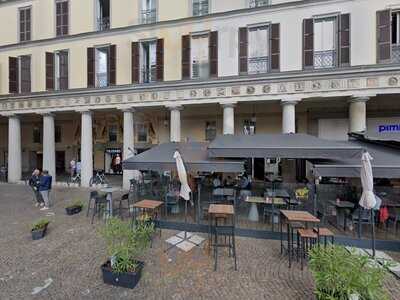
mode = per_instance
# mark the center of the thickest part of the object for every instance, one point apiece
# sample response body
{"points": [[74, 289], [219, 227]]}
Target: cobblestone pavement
{"points": [[72, 252]]}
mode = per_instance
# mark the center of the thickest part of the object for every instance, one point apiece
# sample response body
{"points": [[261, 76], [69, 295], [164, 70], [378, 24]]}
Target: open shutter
{"points": [[112, 64], [275, 47], [13, 75], [308, 43], [49, 71], [160, 60], [344, 40], [243, 48], [185, 56], [383, 33], [135, 62], [213, 52], [90, 67]]}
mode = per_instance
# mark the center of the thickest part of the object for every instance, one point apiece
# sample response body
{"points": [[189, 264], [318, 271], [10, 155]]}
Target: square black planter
{"points": [[127, 280], [73, 210], [39, 234]]}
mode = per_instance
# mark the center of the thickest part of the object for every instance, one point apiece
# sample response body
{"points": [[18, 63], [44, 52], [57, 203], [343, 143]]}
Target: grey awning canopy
{"points": [[281, 145], [385, 163], [194, 154]]}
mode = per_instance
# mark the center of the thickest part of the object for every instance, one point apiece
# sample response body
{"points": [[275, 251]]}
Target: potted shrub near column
{"points": [[125, 245], [74, 208], [39, 229]]}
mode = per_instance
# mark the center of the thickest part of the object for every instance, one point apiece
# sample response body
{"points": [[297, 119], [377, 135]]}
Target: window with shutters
{"points": [[396, 36], [61, 70], [62, 17], [211, 130], [24, 73], [148, 61], [325, 50], [200, 58], [258, 3], [258, 49], [200, 7], [25, 24], [102, 15], [148, 13], [101, 66]]}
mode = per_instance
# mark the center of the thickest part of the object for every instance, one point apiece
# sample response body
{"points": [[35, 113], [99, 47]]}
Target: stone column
{"points": [[229, 118], [14, 149], [175, 126], [129, 144], [358, 114], [86, 148], [289, 116], [49, 146]]}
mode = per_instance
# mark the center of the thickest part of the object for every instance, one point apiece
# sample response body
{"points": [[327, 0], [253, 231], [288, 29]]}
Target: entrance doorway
{"points": [[60, 162]]}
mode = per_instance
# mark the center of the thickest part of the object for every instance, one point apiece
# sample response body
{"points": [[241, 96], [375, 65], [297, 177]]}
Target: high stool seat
{"points": [[325, 233], [228, 241], [307, 238]]}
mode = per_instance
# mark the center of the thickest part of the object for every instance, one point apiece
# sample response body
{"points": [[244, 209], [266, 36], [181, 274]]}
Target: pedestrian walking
{"points": [[45, 188]]}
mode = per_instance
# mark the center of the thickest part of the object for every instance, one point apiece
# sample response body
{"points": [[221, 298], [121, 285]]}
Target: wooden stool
{"points": [[307, 238], [325, 233]]}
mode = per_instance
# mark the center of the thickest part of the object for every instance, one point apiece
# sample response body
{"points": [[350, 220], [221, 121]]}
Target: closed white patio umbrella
{"points": [[185, 189]]}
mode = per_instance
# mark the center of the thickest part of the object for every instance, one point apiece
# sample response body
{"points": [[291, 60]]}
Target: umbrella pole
{"points": [[186, 201], [198, 202], [373, 232]]}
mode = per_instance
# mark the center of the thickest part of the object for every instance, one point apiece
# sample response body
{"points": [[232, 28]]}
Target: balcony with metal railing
{"points": [[101, 79], [200, 8], [257, 65], [324, 59], [259, 3], [103, 23], [149, 74], [396, 53], [149, 16], [200, 70]]}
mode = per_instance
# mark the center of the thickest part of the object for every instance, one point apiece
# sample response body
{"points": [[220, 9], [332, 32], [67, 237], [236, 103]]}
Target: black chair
{"points": [[124, 198], [92, 196], [223, 237], [101, 205]]}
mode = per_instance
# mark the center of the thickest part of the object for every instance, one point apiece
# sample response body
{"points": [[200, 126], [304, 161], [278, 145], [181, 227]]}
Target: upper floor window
{"points": [[36, 135], [62, 17], [25, 24], [19, 74], [57, 70], [102, 14], [396, 36], [200, 55], [258, 3], [148, 61], [148, 12], [200, 7], [101, 66], [211, 130], [326, 41], [259, 49]]}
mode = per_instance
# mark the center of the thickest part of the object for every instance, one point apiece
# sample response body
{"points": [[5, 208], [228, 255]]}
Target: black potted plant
{"points": [[125, 245], [74, 208], [39, 229]]}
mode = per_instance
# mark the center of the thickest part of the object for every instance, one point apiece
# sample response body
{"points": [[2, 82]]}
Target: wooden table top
{"points": [[254, 199], [342, 204], [275, 201], [299, 216], [221, 209], [148, 204]]}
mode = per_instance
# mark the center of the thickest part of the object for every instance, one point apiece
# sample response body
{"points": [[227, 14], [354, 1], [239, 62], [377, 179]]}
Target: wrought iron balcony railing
{"points": [[200, 70], [258, 3], [324, 59], [103, 23], [101, 79], [200, 8], [149, 16], [258, 65], [149, 74], [396, 53]]}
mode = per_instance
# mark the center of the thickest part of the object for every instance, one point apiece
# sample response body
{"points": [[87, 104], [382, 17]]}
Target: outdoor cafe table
{"points": [[292, 216], [341, 207], [149, 205]]}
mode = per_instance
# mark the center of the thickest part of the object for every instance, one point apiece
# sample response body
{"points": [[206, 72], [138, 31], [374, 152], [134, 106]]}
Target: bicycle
{"points": [[98, 178], [75, 179]]}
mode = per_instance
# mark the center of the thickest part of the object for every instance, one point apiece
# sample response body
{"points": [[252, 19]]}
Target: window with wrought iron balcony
{"points": [[259, 3], [200, 7], [148, 13], [258, 49], [200, 69], [325, 53], [149, 74], [103, 15]]}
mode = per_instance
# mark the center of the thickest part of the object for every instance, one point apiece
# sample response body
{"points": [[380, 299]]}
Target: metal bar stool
{"points": [[307, 238], [325, 233]]}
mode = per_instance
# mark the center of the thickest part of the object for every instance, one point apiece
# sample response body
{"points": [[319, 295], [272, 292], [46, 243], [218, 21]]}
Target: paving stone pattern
{"points": [[72, 252]]}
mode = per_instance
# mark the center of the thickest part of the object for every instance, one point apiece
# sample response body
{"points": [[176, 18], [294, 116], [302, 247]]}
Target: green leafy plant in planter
{"points": [[341, 275], [39, 229], [76, 203], [74, 208], [125, 245]]}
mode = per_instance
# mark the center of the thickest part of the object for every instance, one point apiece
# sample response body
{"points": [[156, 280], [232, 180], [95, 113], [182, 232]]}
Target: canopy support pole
{"points": [[373, 232]]}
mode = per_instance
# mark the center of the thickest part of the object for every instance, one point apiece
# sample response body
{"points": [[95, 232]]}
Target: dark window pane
{"points": [[57, 134]]}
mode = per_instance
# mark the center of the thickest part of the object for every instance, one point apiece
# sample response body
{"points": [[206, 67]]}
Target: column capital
{"points": [[290, 100], [228, 104], [174, 107], [9, 115], [127, 108], [46, 113], [360, 98], [84, 111]]}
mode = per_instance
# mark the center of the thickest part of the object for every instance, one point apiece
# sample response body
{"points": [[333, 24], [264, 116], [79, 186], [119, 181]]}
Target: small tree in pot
{"points": [[125, 246]]}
